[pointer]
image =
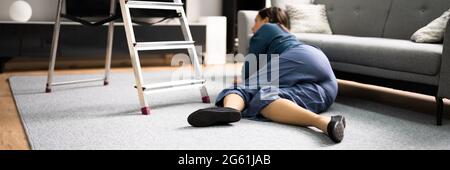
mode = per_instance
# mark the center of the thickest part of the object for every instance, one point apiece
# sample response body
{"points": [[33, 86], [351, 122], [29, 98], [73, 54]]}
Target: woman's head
{"points": [[271, 15]]}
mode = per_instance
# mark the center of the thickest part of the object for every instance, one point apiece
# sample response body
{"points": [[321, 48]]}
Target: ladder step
{"points": [[77, 81], [172, 84], [164, 45], [154, 5], [176, 88]]}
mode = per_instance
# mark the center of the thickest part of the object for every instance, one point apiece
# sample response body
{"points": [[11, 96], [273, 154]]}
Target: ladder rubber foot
{"points": [[206, 99], [105, 83], [145, 110], [48, 89]]}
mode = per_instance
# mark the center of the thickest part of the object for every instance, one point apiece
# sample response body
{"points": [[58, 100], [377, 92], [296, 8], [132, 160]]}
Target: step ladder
{"points": [[54, 50], [134, 48]]}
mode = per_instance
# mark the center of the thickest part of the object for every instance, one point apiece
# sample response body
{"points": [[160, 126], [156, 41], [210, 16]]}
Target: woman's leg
{"points": [[288, 112], [234, 101]]}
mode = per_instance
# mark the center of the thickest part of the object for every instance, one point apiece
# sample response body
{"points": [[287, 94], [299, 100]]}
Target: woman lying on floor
{"points": [[307, 84]]}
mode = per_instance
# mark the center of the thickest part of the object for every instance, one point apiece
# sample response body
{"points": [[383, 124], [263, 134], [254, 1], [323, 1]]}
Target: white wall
{"points": [[200, 8], [43, 10], [268, 3]]}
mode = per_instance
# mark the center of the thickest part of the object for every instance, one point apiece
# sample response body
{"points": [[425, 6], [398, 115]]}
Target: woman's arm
{"points": [[259, 45], [262, 39]]}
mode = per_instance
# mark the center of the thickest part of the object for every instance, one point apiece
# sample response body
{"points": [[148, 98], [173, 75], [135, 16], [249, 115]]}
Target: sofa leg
{"points": [[3, 61], [439, 110]]}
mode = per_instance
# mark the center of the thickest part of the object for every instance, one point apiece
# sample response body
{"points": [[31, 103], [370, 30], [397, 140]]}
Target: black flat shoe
{"points": [[336, 128], [214, 116]]}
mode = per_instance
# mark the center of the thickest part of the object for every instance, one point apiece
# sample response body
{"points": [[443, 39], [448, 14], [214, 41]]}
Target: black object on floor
{"points": [[214, 116], [336, 128]]}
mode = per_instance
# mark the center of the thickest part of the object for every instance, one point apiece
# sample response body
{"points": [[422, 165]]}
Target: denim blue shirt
{"points": [[269, 39], [272, 39]]}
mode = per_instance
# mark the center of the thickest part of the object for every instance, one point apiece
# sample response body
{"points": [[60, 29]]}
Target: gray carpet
{"points": [[91, 116]]}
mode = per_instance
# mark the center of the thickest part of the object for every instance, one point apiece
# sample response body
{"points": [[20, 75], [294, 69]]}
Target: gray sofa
{"points": [[370, 44]]}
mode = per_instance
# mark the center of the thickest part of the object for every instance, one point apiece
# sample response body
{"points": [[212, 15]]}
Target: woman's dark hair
{"points": [[276, 15]]}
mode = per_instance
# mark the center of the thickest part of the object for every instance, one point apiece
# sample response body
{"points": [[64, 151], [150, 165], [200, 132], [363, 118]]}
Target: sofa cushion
{"points": [[357, 17], [390, 54], [407, 16], [282, 3], [434, 31], [306, 18]]}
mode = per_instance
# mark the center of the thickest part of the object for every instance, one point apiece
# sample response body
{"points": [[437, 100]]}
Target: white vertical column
{"points": [[216, 39]]}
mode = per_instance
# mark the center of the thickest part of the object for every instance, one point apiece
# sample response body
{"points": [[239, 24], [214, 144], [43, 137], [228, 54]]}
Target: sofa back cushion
{"points": [[407, 16], [357, 17]]}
